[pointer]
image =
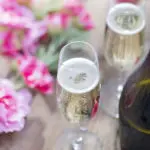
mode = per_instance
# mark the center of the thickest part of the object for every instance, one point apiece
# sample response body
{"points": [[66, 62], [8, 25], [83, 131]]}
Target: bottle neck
{"points": [[143, 71], [146, 62]]}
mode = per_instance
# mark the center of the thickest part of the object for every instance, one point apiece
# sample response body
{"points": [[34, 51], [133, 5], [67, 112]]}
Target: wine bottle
{"points": [[134, 110]]}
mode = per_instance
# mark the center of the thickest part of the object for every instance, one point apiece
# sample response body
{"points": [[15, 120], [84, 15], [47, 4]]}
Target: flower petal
{"points": [[15, 126], [14, 107], [36, 74], [3, 113]]}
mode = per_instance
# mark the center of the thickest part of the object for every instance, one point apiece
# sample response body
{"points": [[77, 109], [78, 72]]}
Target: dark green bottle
{"points": [[134, 110]]}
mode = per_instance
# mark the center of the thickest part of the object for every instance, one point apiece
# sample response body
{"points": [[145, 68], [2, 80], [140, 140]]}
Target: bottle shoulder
{"points": [[135, 100]]}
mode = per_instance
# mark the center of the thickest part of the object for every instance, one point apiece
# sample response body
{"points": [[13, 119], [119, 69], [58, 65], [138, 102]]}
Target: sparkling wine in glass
{"points": [[124, 50], [78, 89]]}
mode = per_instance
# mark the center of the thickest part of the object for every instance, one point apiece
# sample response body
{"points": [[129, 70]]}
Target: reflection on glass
{"points": [[124, 49], [78, 94]]}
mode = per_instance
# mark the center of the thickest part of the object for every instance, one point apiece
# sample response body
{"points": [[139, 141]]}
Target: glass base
{"points": [[72, 139]]}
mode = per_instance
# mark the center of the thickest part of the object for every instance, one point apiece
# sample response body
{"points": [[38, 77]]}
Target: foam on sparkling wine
{"points": [[79, 95]]}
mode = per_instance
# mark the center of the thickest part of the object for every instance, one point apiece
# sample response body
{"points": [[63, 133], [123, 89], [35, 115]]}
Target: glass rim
{"points": [[82, 42], [120, 7]]}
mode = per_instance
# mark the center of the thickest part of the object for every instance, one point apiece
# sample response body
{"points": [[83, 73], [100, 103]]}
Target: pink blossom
{"points": [[15, 15], [11, 42], [14, 107], [32, 36], [18, 29], [74, 9], [84, 21], [82, 17], [57, 22], [35, 74]]}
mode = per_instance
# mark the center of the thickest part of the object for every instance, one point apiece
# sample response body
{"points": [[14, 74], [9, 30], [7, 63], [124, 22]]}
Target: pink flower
{"points": [[82, 17], [84, 21], [57, 22], [11, 42], [74, 9], [32, 36], [35, 74], [15, 15], [18, 29], [14, 107]]}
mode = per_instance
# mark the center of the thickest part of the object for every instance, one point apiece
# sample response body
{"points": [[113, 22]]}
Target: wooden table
{"points": [[44, 124]]}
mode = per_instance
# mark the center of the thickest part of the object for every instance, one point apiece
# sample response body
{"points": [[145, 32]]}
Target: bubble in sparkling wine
{"points": [[79, 97]]}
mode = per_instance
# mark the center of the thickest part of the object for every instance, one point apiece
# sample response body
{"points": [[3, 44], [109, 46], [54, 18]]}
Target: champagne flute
{"points": [[124, 49], [78, 92]]}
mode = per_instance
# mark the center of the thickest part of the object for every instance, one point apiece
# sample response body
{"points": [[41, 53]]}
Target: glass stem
{"points": [[78, 143], [122, 78]]}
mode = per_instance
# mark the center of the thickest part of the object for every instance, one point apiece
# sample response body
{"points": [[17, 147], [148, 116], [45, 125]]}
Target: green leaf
{"points": [[53, 66], [51, 55], [50, 59], [19, 85], [52, 48], [40, 52]]}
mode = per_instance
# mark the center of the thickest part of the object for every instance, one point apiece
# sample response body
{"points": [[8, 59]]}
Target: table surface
{"points": [[44, 124]]}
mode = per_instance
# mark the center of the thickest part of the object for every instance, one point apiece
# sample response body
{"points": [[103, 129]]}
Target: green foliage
{"points": [[49, 54]]}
